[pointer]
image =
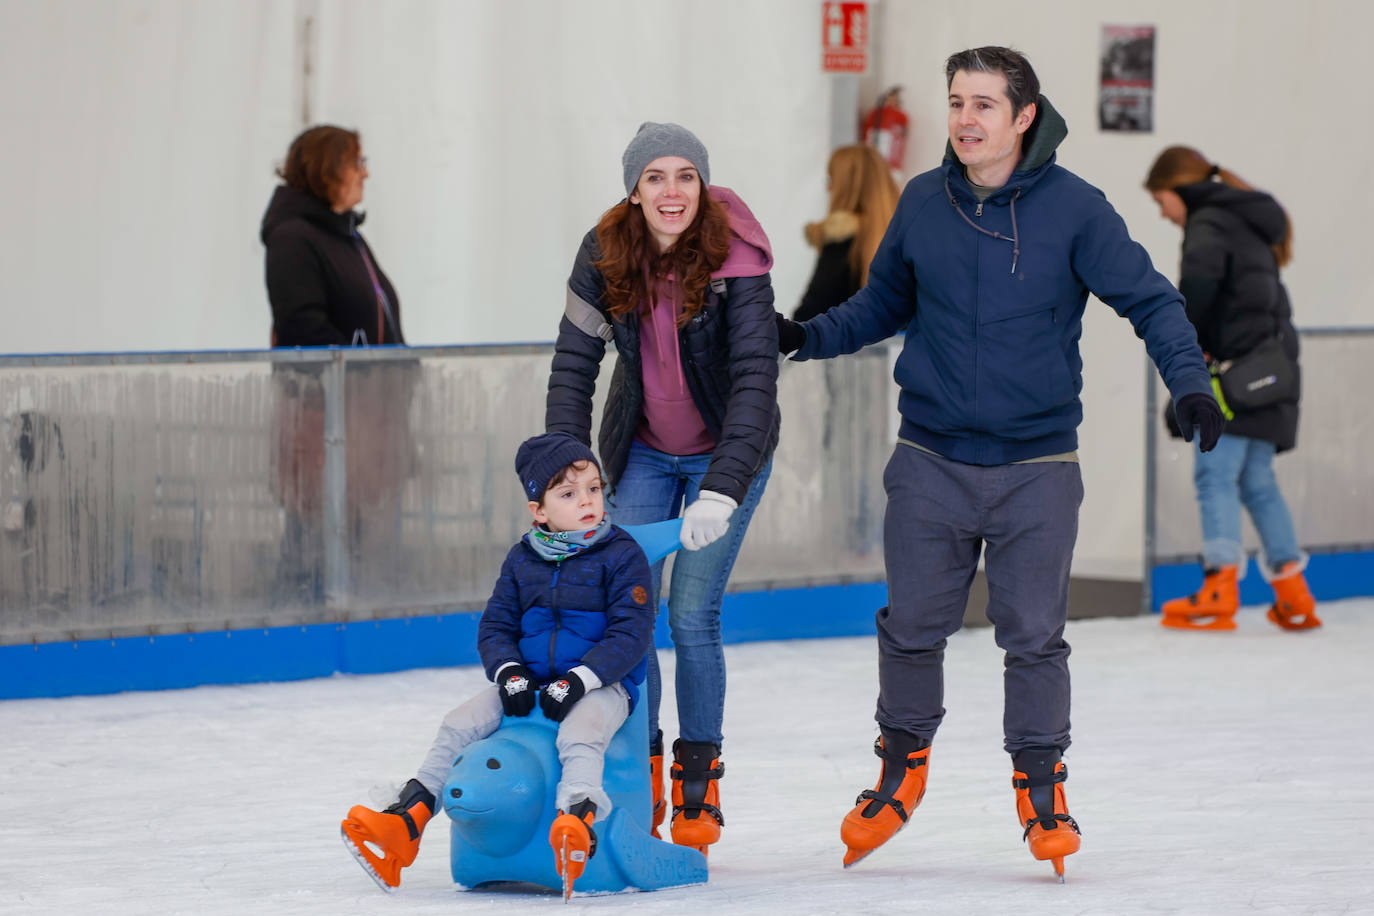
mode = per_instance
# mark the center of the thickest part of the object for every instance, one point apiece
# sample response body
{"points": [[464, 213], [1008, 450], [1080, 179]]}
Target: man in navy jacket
{"points": [[988, 263]]}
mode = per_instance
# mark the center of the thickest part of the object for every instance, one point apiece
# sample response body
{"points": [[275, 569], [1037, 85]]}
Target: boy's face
{"points": [[574, 503]]}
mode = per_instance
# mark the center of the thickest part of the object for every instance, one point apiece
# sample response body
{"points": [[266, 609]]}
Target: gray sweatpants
{"points": [[583, 736], [940, 515]]}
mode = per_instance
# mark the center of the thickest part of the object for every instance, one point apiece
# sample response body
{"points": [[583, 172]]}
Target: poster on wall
{"points": [[1127, 85]]}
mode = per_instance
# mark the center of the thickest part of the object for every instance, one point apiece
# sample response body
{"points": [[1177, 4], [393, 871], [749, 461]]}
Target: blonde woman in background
{"points": [[862, 199]]}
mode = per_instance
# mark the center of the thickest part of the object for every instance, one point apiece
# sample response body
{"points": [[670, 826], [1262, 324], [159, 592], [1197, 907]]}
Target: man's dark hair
{"points": [[1023, 87]]}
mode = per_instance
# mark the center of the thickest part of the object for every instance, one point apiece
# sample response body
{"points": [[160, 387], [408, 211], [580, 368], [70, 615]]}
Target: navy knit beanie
{"points": [[654, 141], [541, 457]]}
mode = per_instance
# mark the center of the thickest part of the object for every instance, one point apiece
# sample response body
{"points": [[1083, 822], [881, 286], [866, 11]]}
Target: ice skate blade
{"points": [[1198, 622], [565, 871], [1058, 862], [366, 865], [1294, 623]]}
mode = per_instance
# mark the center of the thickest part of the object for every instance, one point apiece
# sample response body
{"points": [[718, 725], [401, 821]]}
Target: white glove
{"points": [[706, 519]]}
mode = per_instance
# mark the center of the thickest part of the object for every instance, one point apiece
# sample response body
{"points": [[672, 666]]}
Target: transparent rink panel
{"points": [[140, 498], [172, 493]]}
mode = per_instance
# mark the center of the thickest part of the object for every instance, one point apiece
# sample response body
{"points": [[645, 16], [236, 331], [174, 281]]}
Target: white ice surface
{"points": [[1212, 773]]}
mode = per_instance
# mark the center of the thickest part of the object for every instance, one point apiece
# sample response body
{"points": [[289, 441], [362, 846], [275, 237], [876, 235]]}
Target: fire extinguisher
{"points": [[884, 128]]}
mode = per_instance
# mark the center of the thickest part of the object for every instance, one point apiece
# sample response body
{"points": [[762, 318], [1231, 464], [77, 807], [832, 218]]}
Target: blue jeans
{"points": [[1240, 471], [655, 486]]}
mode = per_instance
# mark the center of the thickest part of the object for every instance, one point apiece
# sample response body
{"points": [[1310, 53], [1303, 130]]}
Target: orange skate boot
{"points": [[696, 772], [1294, 607], [1041, 808], [384, 842], [883, 810], [1212, 607], [656, 782], [573, 842]]}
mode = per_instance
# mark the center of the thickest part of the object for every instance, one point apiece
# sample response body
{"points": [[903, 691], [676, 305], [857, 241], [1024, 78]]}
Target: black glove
{"points": [[1203, 412], [558, 696], [518, 688], [791, 335]]}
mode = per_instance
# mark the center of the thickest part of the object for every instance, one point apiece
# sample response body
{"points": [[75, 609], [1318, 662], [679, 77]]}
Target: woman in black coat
{"points": [[1235, 239], [323, 281], [326, 289]]}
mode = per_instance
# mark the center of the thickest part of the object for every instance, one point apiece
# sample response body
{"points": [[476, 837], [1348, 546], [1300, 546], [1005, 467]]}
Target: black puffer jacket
{"points": [[1230, 279], [317, 281], [729, 359]]}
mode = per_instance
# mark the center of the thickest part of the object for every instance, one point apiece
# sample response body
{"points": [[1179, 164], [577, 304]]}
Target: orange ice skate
{"points": [[656, 782], [573, 842], [696, 774], [883, 810], [1041, 806], [1294, 607], [1212, 607], [384, 842]]}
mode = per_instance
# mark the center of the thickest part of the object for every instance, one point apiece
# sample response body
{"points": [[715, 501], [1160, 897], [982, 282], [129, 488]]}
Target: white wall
{"points": [[140, 138], [1276, 91]]}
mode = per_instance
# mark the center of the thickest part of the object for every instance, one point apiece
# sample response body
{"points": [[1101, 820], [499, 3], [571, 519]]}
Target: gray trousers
{"points": [[940, 516], [583, 736]]}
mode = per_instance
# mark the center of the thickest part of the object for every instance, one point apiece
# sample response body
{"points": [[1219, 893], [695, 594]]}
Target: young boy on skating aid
{"points": [[579, 653]]}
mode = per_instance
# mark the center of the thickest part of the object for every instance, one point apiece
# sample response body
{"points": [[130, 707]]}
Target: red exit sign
{"points": [[844, 37]]}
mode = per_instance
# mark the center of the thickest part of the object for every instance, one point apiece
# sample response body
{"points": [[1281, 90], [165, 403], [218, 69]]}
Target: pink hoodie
{"points": [[671, 422]]}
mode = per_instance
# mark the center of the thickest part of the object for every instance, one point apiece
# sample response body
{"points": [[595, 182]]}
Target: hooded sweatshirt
{"points": [[992, 294], [671, 422]]}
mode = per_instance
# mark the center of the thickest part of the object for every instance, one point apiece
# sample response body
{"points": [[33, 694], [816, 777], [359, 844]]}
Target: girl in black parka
{"points": [[1235, 239]]}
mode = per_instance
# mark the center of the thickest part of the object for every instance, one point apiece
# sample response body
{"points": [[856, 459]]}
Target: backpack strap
{"points": [[586, 318]]}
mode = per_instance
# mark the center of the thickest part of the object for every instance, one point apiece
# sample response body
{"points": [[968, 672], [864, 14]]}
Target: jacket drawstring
{"points": [[1015, 237]]}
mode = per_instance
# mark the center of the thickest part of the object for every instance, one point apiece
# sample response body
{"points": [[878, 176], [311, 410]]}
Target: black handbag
{"points": [[1264, 376]]}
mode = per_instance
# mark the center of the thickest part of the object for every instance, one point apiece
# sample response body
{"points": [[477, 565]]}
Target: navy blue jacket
{"points": [[990, 371], [592, 609]]}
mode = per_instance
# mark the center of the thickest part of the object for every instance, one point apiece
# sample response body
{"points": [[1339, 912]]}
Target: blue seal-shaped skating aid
{"points": [[657, 539], [500, 798]]}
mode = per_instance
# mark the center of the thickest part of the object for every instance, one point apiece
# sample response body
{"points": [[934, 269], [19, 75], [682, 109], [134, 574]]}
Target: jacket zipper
{"points": [[557, 622], [978, 211]]}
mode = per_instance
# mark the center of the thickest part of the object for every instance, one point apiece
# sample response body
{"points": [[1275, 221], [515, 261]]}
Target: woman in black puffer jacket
{"points": [[1235, 239], [677, 276]]}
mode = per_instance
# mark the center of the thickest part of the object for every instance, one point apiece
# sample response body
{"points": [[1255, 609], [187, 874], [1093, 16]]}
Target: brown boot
{"points": [[656, 782], [1294, 607], [1212, 607], [1041, 806], [696, 773], [883, 810]]}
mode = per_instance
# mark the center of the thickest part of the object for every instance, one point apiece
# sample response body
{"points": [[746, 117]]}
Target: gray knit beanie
{"points": [[654, 141]]}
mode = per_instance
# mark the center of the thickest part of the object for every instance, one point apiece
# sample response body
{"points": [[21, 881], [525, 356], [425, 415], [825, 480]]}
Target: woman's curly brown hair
{"points": [[630, 260]]}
